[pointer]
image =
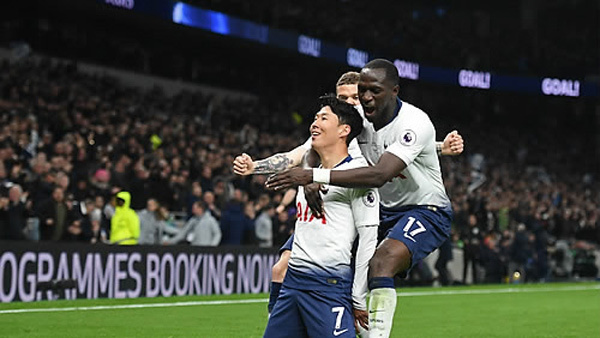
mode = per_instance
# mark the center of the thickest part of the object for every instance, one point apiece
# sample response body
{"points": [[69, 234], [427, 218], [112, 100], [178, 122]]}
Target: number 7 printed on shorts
{"points": [[338, 320], [420, 228]]}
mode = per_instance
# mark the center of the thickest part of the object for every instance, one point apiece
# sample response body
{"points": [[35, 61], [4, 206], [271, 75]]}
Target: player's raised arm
{"points": [[244, 165]]}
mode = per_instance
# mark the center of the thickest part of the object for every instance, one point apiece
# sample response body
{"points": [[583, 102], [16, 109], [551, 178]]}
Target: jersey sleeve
{"points": [[365, 210], [413, 137], [354, 150], [365, 207]]}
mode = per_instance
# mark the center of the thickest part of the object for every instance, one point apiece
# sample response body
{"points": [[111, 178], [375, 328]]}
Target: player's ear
{"points": [[344, 130]]}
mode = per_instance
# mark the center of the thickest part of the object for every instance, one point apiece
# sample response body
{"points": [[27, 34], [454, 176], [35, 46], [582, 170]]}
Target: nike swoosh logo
{"points": [[337, 333], [375, 311]]}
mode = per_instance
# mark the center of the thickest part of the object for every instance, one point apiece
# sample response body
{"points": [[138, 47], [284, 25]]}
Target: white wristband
{"points": [[321, 175]]}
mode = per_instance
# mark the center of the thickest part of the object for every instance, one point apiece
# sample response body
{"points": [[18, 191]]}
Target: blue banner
{"points": [[223, 24]]}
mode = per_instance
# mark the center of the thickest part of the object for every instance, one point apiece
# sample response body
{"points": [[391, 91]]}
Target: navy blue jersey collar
{"points": [[397, 111], [346, 160]]}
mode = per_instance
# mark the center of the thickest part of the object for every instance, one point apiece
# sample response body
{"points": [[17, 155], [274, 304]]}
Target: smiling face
{"points": [[326, 129], [377, 96]]}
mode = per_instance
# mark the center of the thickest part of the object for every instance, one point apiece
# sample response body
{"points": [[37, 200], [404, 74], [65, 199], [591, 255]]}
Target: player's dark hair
{"points": [[391, 72], [346, 114], [348, 78]]}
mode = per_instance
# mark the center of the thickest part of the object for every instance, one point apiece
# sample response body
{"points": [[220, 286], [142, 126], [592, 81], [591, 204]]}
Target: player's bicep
{"points": [[412, 140], [297, 154]]}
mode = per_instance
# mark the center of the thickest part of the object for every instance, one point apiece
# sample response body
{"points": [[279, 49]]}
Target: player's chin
{"points": [[316, 142]]}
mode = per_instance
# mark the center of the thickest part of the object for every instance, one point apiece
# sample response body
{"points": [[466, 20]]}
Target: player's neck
{"points": [[332, 156], [388, 116]]}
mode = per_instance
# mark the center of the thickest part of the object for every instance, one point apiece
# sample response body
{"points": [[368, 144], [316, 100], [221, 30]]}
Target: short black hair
{"points": [[391, 72], [346, 114]]}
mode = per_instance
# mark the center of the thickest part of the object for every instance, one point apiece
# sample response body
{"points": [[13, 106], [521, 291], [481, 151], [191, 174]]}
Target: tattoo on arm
{"points": [[273, 164]]}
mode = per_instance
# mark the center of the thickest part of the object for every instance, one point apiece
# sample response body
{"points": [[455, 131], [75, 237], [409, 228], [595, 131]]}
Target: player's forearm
{"points": [[279, 162], [366, 177], [170, 229], [273, 164], [388, 167], [288, 197], [367, 242], [179, 234]]}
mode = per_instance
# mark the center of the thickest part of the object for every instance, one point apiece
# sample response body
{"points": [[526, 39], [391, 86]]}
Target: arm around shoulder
{"points": [[388, 167]]}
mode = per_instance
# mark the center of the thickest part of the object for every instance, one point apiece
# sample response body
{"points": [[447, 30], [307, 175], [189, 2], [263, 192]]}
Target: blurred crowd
{"points": [[527, 37], [71, 144]]}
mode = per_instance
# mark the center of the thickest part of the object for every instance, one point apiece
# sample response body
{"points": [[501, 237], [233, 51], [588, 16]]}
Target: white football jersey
{"points": [[322, 246], [410, 136]]}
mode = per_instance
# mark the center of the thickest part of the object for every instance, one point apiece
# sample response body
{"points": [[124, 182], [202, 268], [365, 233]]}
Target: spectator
{"points": [[206, 180], [264, 226], [18, 212], [284, 227], [492, 261], [235, 221], [444, 256], [125, 224], [472, 242], [54, 216], [194, 196], [200, 230], [522, 253], [151, 224], [92, 220], [209, 199]]}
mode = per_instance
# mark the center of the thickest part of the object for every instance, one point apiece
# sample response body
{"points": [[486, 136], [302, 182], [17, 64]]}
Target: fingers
{"points": [[313, 199], [241, 164], [361, 318], [276, 182], [456, 142], [289, 178]]}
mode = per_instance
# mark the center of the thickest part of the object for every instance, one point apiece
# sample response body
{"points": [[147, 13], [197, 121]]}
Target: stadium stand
{"points": [[526, 193]]}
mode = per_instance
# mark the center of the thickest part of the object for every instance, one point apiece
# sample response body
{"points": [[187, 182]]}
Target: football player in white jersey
{"points": [[322, 287], [398, 141], [346, 90]]}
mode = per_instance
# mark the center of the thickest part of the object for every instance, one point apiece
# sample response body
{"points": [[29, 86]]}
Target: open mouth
{"points": [[369, 110]]}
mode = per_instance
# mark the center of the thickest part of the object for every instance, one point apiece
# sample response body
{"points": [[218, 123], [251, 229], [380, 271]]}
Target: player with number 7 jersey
{"points": [[322, 286]]}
